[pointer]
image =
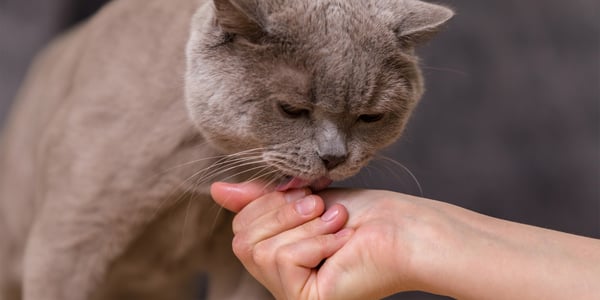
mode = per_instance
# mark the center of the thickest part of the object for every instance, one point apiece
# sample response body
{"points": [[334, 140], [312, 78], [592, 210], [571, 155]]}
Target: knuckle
{"points": [[282, 218], [323, 239], [330, 245], [241, 247], [285, 255], [323, 243], [237, 225], [312, 228], [262, 254]]}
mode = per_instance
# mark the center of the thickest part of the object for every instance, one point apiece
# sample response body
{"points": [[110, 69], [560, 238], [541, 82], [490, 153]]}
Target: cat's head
{"points": [[313, 88]]}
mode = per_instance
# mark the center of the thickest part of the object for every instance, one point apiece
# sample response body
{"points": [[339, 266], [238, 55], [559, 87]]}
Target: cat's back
{"points": [[93, 103], [117, 74]]}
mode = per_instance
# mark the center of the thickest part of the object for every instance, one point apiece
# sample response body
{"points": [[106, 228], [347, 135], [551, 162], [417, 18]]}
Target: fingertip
{"points": [[217, 189], [225, 195], [235, 196], [294, 195], [221, 190], [336, 213], [308, 206]]}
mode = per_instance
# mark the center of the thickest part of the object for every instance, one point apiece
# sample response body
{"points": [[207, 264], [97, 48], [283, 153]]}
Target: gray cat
{"points": [[107, 158]]}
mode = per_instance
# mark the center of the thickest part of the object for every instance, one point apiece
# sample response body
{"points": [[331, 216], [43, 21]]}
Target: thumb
{"points": [[235, 196]]}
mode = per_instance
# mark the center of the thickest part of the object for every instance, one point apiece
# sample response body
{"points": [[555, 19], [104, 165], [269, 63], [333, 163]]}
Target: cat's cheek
{"points": [[229, 140], [377, 137], [344, 172]]}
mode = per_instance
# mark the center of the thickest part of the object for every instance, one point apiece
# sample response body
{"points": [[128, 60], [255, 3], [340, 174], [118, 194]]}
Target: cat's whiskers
{"points": [[224, 165], [213, 169], [219, 158], [454, 71], [226, 168], [283, 164], [403, 167], [184, 224], [245, 171], [237, 162]]}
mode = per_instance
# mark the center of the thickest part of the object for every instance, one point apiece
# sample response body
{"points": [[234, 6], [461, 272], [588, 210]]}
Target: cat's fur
{"points": [[98, 198]]}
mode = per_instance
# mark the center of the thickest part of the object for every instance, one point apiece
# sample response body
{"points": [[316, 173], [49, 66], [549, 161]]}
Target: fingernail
{"points": [[330, 214], [295, 195], [306, 205]]}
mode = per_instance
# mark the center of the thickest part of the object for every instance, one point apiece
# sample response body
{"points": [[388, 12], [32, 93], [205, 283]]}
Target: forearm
{"points": [[480, 257]]}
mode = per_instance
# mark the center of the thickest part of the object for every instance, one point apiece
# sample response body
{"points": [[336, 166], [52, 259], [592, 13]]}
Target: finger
{"points": [[256, 224], [263, 253], [296, 263], [270, 202], [258, 253], [331, 221], [235, 196]]}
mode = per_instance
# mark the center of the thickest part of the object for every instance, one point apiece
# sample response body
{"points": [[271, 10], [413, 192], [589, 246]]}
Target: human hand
{"points": [[280, 237], [395, 242], [282, 245]]}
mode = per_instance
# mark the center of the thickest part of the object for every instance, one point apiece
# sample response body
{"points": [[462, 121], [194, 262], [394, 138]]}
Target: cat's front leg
{"points": [[74, 240]]}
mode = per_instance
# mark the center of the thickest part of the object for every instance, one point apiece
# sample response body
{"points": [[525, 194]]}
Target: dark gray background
{"points": [[509, 126]]}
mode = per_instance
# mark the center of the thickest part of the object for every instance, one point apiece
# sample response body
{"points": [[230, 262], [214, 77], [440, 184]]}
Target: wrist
{"points": [[419, 238], [437, 246]]}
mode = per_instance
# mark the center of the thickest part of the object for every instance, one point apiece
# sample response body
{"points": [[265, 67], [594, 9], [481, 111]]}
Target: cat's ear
{"points": [[239, 17], [420, 22]]}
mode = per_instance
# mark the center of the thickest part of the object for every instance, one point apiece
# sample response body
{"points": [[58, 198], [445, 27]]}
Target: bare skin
{"points": [[376, 243]]}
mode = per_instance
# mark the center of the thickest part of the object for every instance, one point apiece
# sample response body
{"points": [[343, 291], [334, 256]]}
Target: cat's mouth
{"points": [[291, 182]]}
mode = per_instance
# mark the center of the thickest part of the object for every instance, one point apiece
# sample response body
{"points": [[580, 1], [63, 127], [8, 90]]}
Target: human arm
{"points": [[467, 255], [400, 242]]}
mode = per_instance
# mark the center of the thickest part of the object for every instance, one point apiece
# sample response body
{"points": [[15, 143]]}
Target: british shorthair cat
{"points": [[125, 121]]}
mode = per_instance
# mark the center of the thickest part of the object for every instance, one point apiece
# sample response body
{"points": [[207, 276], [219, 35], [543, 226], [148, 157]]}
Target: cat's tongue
{"points": [[296, 183]]}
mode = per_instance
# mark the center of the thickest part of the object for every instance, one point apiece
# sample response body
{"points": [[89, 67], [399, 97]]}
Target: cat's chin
{"points": [[317, 185]]}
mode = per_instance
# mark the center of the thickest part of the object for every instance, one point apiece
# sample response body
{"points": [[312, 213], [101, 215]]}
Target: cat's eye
{"points": [[291, 111], [372, 118]]}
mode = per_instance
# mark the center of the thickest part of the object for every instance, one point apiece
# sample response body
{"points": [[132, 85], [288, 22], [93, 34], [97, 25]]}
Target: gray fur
{"points": [[104, 173], [337, 60]]}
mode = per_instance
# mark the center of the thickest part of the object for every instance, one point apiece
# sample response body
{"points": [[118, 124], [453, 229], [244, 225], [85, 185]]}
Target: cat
{"points": [[124, 121]]}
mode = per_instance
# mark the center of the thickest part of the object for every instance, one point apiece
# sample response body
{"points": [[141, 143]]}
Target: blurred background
{"points": [[509, 126]]}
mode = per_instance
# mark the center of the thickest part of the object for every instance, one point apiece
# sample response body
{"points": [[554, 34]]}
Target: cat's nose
{"points": [[332, 161]]}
